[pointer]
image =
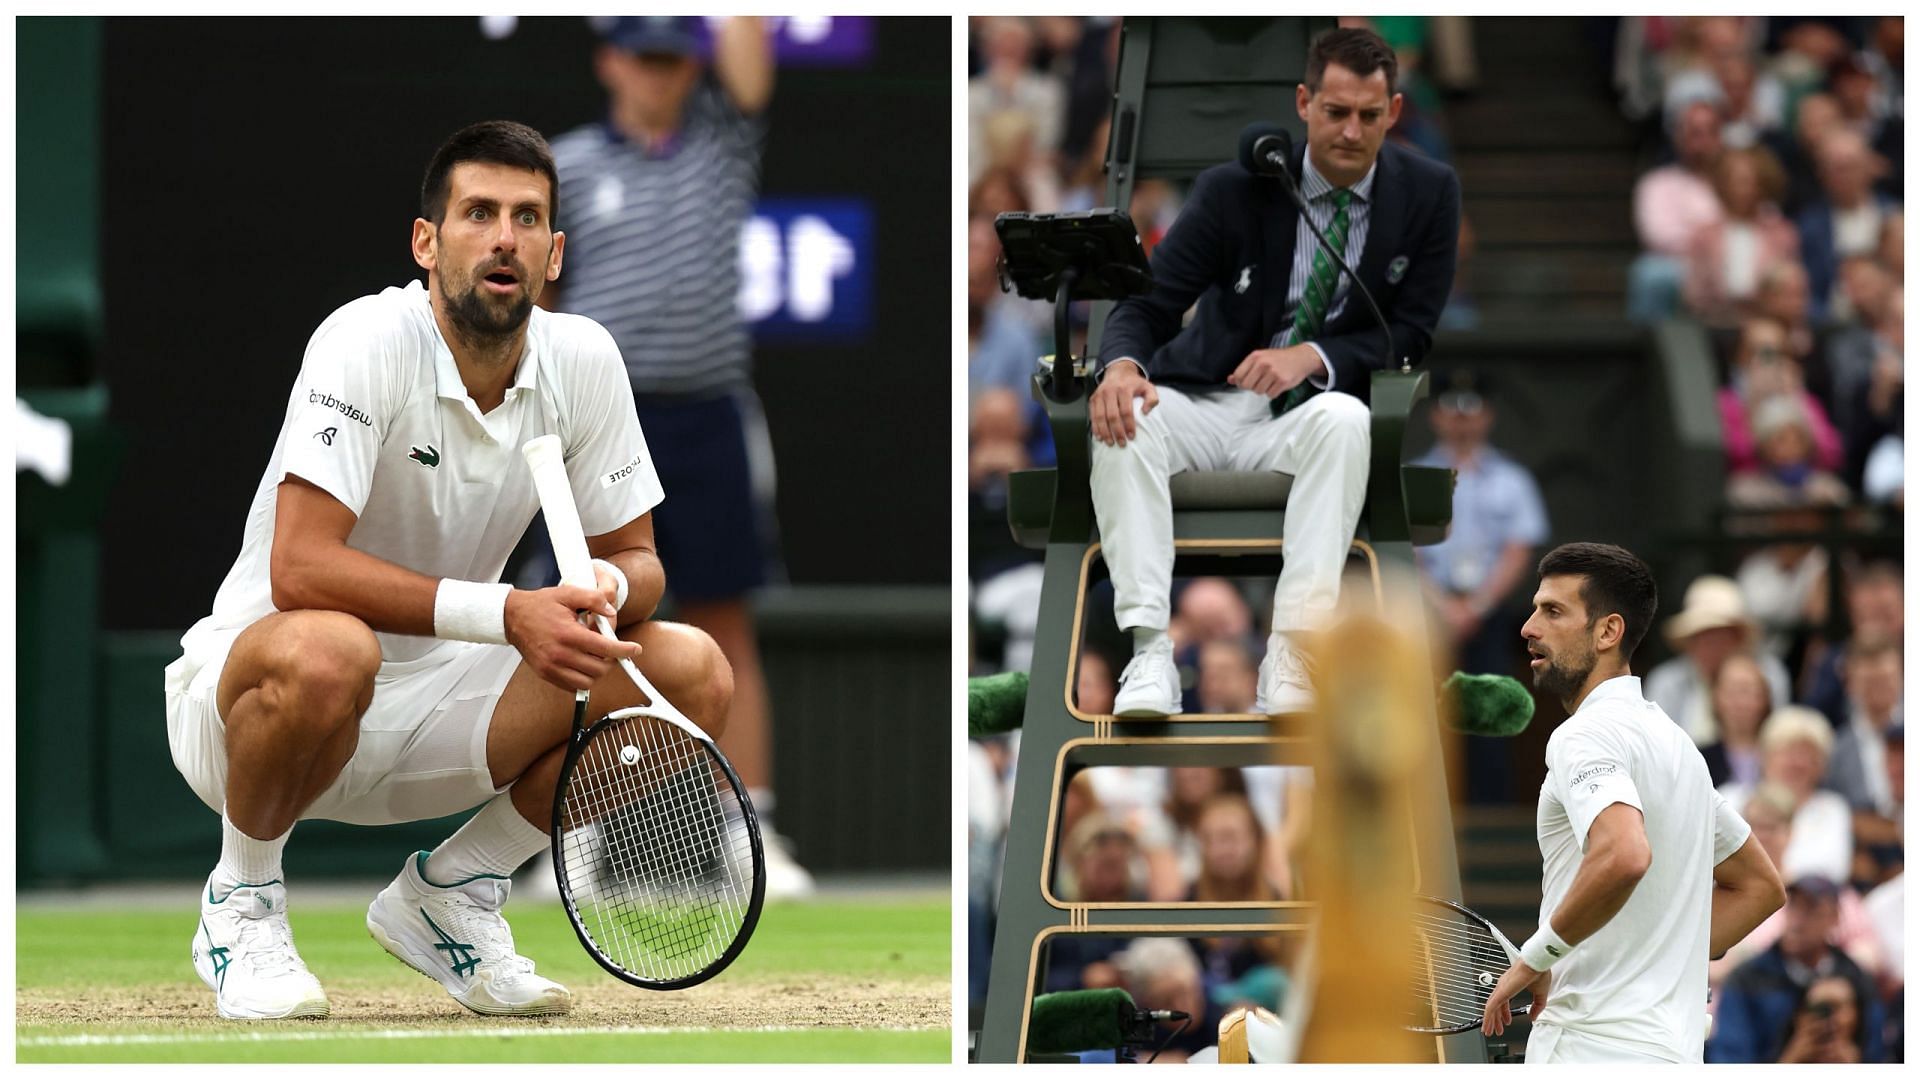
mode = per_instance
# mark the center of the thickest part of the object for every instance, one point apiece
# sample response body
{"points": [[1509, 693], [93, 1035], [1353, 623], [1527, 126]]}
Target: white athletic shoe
{"points": [[1150, 685], [1286, 680], [457, 937], [786, 879], [243, 950]]}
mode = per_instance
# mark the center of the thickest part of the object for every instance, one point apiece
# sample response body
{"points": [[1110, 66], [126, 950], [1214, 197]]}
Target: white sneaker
{"points": [[1150, 685], [1286, 680], [457, 937], [243, 950], [786, 879]]}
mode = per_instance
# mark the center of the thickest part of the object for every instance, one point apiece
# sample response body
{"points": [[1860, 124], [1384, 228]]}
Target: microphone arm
{"points": [[1299, 200]]}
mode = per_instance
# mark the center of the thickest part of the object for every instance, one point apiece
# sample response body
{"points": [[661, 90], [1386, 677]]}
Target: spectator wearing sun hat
{"points": [[1712, 625]]}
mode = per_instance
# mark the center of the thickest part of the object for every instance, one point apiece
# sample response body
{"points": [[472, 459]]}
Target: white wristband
{"points": [[471, 611], [619, 575], [1544, 949]]}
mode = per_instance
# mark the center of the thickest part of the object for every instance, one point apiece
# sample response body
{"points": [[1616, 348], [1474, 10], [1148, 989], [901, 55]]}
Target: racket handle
{"points": [[546, 457]]}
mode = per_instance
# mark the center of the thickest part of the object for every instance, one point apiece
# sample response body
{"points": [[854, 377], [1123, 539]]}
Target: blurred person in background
{"points": [[1876, 607], [1791, 468], [1498, 521], [1760, 1016], [1858, 771], [1206, 610], [996, 439], [1098, 868], [1014, 160], [1009, 82], [1880, 838], [1671, 204], [1726, 256], [1769, 811], [1784, 298], [1846, 218], [1093, 686], [1002, 348], [1795, 746], [657, 192], [1228, 678], [1177, 828], [1741, 703], [1828, 1026], [1231, 871], [1711, 626], [1878, 436], [1764, 368], [1815, 115], [1163, 973]]}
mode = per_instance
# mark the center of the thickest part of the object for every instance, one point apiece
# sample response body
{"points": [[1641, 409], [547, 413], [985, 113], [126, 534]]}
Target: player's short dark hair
{"points": [[1359, 50], [1615, 581], [491, 142]]}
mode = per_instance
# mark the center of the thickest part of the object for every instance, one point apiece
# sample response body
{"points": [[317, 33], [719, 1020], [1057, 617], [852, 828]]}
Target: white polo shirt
{"points": [[380, 419], [1641, 980]]}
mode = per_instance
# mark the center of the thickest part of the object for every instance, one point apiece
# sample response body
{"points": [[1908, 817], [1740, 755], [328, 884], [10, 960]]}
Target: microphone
{"points": [[1071, 1021], [1266, 149], [1492, 705], [996, 703]]}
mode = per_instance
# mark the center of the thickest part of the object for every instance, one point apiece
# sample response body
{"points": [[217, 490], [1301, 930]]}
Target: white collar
{"points": [[447, 382], [1622, 687], [1314, 186]]}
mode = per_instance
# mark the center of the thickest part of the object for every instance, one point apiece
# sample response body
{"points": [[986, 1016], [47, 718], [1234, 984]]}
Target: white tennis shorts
{"points": [[1551, 1045], [423, 742]]}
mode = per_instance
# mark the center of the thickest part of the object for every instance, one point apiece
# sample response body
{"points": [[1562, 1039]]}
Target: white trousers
{"points": [[1322, 444]]}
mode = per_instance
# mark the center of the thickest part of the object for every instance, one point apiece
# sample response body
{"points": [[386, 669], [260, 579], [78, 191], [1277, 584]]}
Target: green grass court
{"points": [[827, 980]]}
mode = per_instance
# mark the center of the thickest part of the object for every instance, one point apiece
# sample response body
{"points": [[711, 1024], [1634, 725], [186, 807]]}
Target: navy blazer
{"points": [[1232, 249]]}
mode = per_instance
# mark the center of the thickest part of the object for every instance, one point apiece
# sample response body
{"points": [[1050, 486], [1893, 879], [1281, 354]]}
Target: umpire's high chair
{"points": [[1185, 88]]}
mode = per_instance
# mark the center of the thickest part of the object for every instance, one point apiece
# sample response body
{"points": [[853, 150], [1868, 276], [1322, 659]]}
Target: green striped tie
{"points": [[1318, 295]]}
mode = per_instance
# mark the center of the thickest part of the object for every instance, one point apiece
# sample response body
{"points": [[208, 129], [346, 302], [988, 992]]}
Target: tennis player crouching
{"points": [[362, 663], [1648, 871]]}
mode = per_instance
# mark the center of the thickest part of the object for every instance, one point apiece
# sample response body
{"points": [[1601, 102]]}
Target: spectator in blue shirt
{"points": [[1763, 1014], [1498, 520]]}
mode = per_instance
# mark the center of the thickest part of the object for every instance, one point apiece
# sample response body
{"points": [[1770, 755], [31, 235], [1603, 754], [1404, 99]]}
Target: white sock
{"points": [[246, 860], [1146, 637], [493, 843]]}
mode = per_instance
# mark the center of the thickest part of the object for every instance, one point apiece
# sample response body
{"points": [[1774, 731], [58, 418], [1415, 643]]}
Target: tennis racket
{"points": [[655, 845], [1458, 959]]}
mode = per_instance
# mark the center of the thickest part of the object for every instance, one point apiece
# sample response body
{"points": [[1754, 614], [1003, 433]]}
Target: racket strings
{"points": [[657, 854], [1458, 962]]}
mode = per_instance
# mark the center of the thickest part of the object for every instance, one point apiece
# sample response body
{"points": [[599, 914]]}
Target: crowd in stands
{"points": [[1813, 756], [1773, 218]]}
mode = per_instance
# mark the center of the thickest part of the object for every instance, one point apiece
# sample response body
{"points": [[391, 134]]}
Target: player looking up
{"points": [[1648, 871], [362, 662]]}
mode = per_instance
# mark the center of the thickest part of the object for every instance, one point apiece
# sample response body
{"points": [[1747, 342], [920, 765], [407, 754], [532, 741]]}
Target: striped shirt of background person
{"points": [[1318, 191], [653, 244]]}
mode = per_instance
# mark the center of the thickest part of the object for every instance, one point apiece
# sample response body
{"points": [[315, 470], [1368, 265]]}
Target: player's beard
{"points": [[484, 320], [1561, 678]]}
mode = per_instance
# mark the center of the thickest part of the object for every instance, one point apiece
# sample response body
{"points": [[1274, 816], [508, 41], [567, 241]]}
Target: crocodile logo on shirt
{"points": [[429, 457]]}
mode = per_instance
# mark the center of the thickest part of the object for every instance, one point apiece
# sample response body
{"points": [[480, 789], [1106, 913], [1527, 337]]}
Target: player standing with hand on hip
{"points": [[362, 662], [1648, 871]]}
